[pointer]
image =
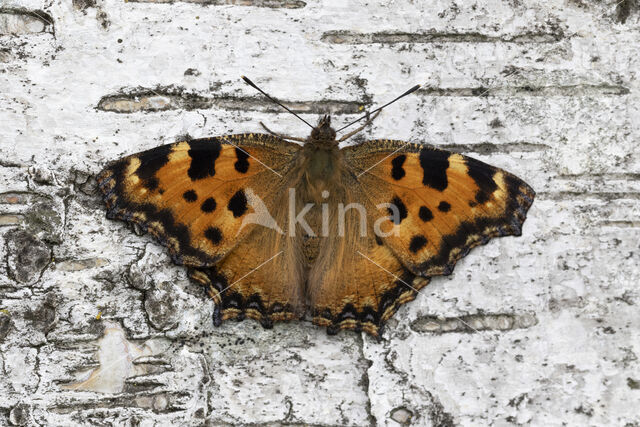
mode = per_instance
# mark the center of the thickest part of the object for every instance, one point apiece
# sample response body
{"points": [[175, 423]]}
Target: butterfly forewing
{"points": [[192, 195], [445, 203]]}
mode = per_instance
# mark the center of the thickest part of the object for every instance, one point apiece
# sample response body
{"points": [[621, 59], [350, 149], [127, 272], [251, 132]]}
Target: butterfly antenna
{"points": [[413, 89], [253, 85]]}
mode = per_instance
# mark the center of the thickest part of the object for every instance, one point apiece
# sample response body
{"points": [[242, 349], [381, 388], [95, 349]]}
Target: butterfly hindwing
{"points": [[261, 279], [441, 204]]}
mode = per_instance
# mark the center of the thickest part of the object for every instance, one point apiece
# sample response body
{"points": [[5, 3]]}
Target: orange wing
{"points": [[440, 204], [194, 196]]}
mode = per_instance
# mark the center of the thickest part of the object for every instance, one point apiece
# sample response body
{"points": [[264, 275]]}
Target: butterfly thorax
{"points": [[322, 160]]}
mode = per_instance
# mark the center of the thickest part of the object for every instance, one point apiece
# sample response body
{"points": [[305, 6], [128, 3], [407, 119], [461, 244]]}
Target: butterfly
{"points": [[276, 231]]}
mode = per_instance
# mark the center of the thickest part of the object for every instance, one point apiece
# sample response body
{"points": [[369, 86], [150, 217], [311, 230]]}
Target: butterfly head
{"points": [[323, 133]]}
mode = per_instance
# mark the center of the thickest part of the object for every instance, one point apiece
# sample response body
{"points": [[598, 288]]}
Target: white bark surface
{"points": [[98, 327]]}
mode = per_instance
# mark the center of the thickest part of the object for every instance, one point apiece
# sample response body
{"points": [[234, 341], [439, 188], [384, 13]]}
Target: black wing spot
{"points": [[190, 196], [238, 204], [401, 210], [151, 183], [481, 197], [444, 206], [417, 242], [150, 162], [208, 205], [483, 175], [203, 153], [434, 164], [425, 214], [213, 234], [398, 172], [242, 164]]}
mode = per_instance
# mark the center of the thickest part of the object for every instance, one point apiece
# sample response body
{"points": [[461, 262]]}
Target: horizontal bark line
{"points": [[527, 90], [21, 197], [11, 219], [142, 384], [433, 36], [274, 4], [162, 100], [176, 399], [491, 148], [79, 264], [20, 21], [10, 164], [611, 175], [581, 195], [151, 360], [621, 223], [151, 101], [473, 323]]}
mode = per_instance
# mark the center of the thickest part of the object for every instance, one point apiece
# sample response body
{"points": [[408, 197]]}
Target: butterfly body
{"points": [[276, 231]]}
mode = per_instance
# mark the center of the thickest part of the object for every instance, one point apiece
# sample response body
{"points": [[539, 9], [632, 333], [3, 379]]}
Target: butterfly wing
{"points": [[431, 207], [261, 278], [445, 203], [203, 199], [192, 195]]}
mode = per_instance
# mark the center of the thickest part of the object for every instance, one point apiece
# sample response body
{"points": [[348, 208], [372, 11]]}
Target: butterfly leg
{"points": [[350, 134], [291, 138]]}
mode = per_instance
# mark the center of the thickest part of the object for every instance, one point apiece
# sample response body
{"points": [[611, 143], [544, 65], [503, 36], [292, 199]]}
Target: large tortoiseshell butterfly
{"points": [[278, 231]]}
